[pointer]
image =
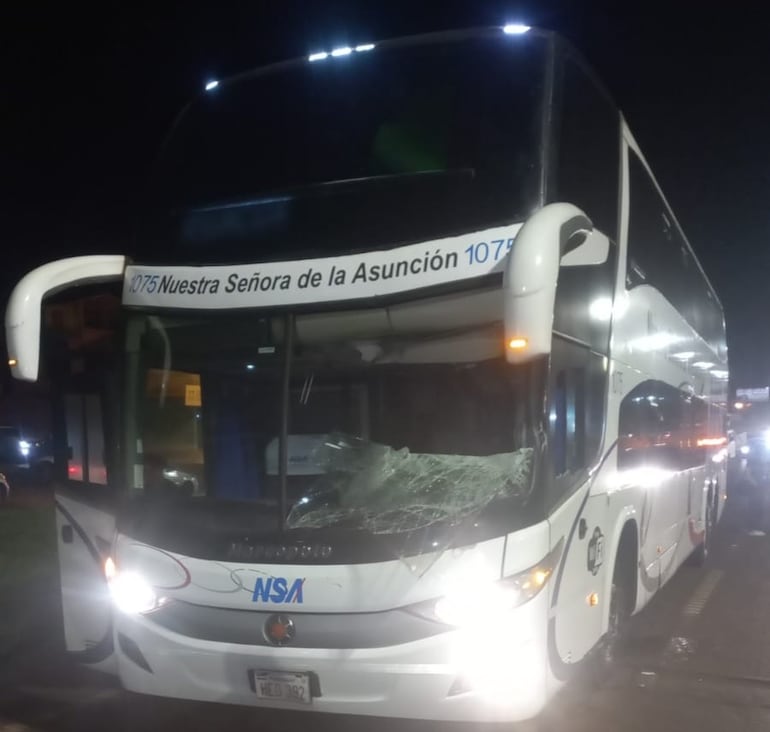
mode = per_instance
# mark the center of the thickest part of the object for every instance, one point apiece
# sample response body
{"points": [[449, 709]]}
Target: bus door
{"points": [[576, 515], [85, 525]]}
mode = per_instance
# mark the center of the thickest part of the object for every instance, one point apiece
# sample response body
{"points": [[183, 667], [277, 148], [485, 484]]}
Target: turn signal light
{"points": [[593, 599], [109, 568], [517, 344], [13, 362], [540, 576]]}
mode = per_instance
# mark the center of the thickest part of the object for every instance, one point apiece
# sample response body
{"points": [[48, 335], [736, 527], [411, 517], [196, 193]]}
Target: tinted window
{"points": [[583, 302], [588, 149], [658, 255], [420, 140], [575, 414], [663, 427]]}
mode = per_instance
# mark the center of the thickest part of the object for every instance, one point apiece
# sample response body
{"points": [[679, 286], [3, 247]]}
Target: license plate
{"points": [[282, 686]]}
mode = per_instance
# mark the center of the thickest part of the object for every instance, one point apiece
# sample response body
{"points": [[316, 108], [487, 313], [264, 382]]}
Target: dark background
{"points": [[87, 94]]}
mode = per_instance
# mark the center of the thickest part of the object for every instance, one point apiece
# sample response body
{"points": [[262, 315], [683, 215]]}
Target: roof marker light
{"points": [[364, 47], [515, 29], [320, 56], [344, 51], [213, 84]]}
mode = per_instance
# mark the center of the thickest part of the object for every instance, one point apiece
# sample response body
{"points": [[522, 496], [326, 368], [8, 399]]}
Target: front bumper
{"points": [[480, 674]]}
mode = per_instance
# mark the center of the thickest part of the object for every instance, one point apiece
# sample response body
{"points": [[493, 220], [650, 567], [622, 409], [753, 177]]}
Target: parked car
{"points": [[14, 450], [26, 457]]}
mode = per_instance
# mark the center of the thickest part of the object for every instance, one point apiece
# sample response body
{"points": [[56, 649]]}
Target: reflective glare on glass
{"points": [[601, 309], [655, 342]]}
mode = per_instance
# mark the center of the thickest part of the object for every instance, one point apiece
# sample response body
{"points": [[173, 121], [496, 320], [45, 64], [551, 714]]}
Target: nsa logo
{"points": [[277, 590]]}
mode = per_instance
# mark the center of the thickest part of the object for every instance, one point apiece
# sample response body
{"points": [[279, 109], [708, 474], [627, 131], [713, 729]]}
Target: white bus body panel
{"points": [[84, 534], [504, 663], [574, 622]]}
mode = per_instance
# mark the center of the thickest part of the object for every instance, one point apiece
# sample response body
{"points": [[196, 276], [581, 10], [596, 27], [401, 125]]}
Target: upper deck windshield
{"points": [[400, 432], [406, 142]]}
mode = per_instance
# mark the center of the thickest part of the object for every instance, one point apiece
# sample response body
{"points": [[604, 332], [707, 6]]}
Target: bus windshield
{"points": [[377, 148], [397, 433]]}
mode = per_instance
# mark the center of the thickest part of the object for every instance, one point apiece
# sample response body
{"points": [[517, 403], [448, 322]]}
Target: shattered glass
{"points": [[383, 490]]}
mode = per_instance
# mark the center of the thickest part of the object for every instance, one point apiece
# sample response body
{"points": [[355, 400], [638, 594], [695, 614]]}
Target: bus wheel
{"points": [[701, 553], [606, 653]]}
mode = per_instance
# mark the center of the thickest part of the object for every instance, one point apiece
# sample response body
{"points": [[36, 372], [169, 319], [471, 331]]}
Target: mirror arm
{"points": [[574, 232], [23, 313], [530, 277]]}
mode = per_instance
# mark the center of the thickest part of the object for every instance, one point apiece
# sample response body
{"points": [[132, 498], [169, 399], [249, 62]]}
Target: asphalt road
{"points": [[698, 657]]}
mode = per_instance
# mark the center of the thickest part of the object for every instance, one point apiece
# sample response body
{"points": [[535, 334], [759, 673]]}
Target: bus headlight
{"points": [[131, 593], [463, 606]]}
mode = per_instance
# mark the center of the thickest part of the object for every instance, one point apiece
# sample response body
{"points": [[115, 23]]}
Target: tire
{"points": [[701, 554], [605, 655]]}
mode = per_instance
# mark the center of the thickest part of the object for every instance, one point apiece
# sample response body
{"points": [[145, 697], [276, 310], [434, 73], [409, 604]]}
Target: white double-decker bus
{"points": [[421, 397]]}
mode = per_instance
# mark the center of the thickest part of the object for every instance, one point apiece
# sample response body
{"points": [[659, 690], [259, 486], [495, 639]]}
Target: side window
{"points": [[84, 424], [575, 414], [584, 302], [648, 427], [699, 435], [588, 149], [661, 427], [650, 254], [658, 255]]}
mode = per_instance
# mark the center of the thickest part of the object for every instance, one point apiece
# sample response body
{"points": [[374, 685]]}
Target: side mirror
{"points": [[559, 233], [594, 250], [22, 316]]}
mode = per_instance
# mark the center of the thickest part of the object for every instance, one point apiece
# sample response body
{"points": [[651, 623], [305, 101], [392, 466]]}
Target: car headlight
{"points": [[464, 605], [24, 447], [745, 449], [131, 593]]}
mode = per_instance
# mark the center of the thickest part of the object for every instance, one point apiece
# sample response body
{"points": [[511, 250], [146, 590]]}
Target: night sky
{"points": [[87, 97]]}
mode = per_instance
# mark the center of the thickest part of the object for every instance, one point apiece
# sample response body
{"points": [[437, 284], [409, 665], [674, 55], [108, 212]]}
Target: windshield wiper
{"points": [[283, 440]]}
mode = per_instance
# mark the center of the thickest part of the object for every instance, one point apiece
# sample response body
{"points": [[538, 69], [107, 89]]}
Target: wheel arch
{"points": [[625, 535]]}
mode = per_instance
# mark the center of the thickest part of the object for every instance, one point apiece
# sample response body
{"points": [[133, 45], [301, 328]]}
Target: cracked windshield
{"points": [[393, 426]]}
